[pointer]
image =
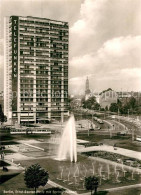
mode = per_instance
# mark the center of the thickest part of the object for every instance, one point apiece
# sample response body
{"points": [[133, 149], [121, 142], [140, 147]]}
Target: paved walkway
{"points": [[109, 123], [70, 192], [106, 148], [123, 187], [118, 188], [119, 123]]}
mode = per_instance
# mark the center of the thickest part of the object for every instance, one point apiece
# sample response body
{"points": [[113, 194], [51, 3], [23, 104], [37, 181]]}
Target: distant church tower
{"points": [[87, 90]]}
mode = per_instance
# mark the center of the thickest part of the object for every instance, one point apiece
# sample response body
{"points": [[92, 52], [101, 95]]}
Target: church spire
{"points": [[87, 84], [87, 90]]}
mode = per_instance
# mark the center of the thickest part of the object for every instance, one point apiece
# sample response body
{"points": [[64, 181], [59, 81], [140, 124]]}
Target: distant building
{"points": [[87, 90], [36, 69], [106, 98], [124, 96]]}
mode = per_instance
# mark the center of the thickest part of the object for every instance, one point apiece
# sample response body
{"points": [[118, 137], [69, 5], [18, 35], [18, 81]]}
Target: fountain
{"points": [[67, 148], [93, 168], [108, 171], [117, 177]]}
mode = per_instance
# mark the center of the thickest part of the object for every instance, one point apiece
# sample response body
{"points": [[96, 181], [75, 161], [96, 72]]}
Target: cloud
{"points": [[115, 64], [106, 45], [89, 17], [102, 20]]}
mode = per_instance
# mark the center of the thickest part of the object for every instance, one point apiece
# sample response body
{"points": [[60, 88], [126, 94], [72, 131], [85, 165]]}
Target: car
{"points": [[91, 129]]}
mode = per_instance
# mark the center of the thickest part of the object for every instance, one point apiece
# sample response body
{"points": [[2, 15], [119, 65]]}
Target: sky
{"points": [[104, 40]]}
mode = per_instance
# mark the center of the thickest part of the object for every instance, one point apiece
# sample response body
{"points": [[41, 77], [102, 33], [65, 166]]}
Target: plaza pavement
{"points": [[125, 152]]}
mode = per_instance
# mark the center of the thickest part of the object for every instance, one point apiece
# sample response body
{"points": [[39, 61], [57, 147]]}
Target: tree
{"points": [[96, 106], [90, 103], [35, 176], [113, 107], [132, 102], [106, 108], [91, 183]]}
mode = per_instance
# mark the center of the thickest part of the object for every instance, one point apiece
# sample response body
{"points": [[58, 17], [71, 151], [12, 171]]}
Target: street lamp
{"points": [[133, 134], [118, 115], [128, 113], [88, 128]]}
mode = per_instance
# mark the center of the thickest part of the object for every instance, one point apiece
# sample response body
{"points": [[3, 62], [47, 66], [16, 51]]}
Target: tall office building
{"points": [[35, 68]]}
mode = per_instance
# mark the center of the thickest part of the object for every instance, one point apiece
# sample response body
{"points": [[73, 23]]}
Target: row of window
{"points": [[43, 30], [50, 22], [23, 100]]}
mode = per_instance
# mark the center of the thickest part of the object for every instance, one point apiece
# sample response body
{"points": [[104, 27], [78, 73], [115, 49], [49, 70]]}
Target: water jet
{"points": [[67, 147]]}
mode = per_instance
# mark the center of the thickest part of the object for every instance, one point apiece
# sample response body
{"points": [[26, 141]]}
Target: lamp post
{"points": [[28, 117], [29, 110], [118, 115], [88, 128], [128, 113], [133, 135]]}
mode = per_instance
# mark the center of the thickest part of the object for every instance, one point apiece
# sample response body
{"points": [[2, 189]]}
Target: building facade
{"points": [[35, 68], [106, 98]]}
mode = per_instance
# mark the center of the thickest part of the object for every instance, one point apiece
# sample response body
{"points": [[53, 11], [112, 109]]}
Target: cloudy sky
{"points": [[105, 39]]}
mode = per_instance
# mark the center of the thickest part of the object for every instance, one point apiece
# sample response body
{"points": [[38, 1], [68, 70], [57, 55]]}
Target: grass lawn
{"points": [[92, 137], [13, 139], [17, 183], [128, 145], [59, 171], [2, 163], [6, 137], [7, 151], [120, 141], [9, 142], [5, 176], [134, 191], [114, 157], [31, 136]]}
